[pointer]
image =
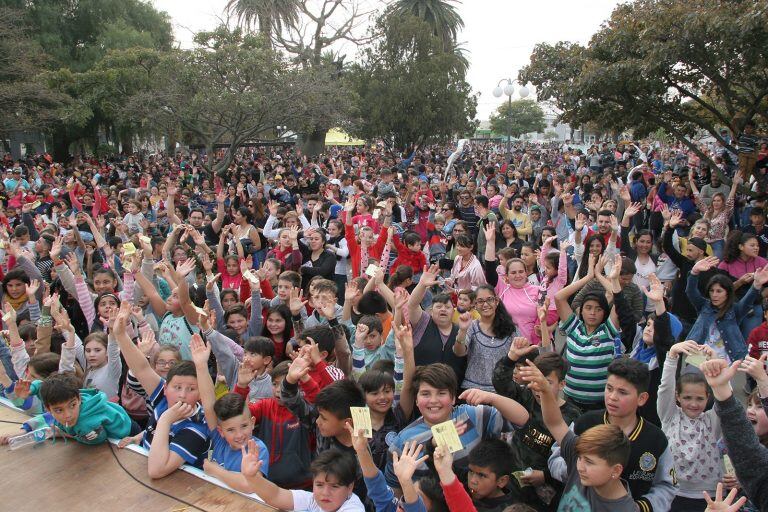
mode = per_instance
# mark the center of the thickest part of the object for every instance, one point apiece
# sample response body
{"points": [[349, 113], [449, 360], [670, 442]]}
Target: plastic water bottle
{"points": [[34, 437]]}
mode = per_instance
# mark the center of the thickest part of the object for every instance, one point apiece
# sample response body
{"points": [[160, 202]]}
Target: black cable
{"points": [[12, 422], [167, 495]]}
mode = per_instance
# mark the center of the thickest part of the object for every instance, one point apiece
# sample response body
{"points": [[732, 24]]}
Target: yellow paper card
{"points": [[695, 359], [519, 477], [445, 435], [371, 270], [145, 239], [361, 420], [36, 204], [728, 466], [128, 248]]}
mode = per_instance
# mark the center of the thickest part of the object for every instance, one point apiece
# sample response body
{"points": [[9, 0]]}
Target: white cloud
{"points": [[498, 34]]}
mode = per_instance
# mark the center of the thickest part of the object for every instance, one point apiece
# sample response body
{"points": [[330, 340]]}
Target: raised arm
{"points": [[201, 352], [428, 278], [136, 361], [561, 298], [550, 411]]}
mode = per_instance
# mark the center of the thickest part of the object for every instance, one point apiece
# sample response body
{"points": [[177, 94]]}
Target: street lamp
{"points": [[508, 90]]}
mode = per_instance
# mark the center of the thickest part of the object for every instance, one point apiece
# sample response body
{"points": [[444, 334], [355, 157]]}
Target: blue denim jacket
{"points": [[728, 325]]}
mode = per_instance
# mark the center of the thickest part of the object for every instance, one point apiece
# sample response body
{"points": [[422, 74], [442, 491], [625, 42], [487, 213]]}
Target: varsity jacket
{"points": [[650, 470]]}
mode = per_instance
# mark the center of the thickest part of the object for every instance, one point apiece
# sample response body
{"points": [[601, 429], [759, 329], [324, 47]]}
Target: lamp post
{"points": [[509, 90]]}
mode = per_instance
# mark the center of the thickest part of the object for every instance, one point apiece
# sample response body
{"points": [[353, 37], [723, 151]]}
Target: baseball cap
{"points": [[335, 181]]}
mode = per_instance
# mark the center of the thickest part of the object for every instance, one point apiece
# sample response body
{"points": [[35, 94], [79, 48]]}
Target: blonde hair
{"points": [[605, 441]]}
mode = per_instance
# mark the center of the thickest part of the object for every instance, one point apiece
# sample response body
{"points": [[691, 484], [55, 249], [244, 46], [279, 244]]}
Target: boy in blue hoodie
{"points": [[82, 414]]}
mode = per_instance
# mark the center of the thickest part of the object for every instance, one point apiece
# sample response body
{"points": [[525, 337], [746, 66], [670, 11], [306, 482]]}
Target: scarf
{"points": [[16, 303]]}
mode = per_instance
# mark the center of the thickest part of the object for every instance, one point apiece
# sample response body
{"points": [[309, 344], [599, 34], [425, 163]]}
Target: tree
{"points": [[517, 118], [29, 104], [75, 35], [635, 75], [410, 90], [550, 135], [269, 15], [308, 39], [440, 15], [228, 89]]}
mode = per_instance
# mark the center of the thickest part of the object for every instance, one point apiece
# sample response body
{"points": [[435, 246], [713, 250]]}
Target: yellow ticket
{"points": [[519, 477], [728, 466], [128, 248], [445, 435], [361, 420], [145, 239], [695, 359]]}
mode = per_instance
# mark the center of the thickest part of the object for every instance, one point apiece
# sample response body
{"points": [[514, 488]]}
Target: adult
{"points": [[718, 212], [741, 260], [511, 285], [467, 271], [719, 314], [434, 333], [485, 340]]}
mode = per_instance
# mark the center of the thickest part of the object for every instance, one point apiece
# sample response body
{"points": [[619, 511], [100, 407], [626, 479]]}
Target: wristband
{"points": [[296, 318]]}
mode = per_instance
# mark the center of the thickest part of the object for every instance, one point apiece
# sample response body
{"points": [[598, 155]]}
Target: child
{"points": [[176, 431], [333, 477], [648, 471], [254, 372], [480, 418], [490, 470], [134, 217], [748, 455], [692, 432], [595, 460], [324, 344], [82, 414], [388, 394], [369, 345], [230, 423], [532, 444], [288, 439], [409, 252], [465, 301]]}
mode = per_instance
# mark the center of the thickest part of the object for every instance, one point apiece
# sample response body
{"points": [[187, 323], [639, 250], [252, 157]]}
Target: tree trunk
{"points": [[60, 146], [314, 142], [127, 144]]}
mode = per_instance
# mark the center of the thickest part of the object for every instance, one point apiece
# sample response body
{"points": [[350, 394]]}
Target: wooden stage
{"points": [[73, 477]]}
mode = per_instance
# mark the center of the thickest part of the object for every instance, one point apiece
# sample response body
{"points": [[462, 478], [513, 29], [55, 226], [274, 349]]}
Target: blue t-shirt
{"points": [[188, 438], [230, 459]]}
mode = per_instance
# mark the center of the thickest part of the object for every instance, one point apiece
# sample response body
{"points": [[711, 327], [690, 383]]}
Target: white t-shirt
{"points": [[304, 501]]}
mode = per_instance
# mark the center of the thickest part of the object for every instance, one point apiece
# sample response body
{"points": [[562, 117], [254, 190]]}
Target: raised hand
{"points": [[477, 396], [761, 277], [490, 231], [359, 441], [705, 264], [519, 347], [687, 347], [755, 368], [32, 288], [404, 335], [245, 375], [718, 372], [405, 464], [201, 351], [147, 342], [296, 301], [350, 291], [655, 290], [210, 280], [56, 247], [185, 267], [299, 367], [726, 504], [429, 276], [250, 465]]}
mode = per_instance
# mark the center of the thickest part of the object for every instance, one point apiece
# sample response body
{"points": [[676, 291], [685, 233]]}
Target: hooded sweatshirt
{"points": [[99, 418]]}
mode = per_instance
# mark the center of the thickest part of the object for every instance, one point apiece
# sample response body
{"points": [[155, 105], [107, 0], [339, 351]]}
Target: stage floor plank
{"points": [[70, 476]]}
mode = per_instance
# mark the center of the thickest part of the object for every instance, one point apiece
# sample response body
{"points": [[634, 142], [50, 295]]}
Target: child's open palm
{"points": [[726, 504], [405, 464], [201, 351], [250, 465]]}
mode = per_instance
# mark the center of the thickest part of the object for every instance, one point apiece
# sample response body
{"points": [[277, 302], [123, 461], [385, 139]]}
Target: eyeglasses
{"points": [[163, 362], [490, 301]]}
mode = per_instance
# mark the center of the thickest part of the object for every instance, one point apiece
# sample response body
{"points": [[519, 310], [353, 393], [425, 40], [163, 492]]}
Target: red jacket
{"points": [[414, 259], [354, 248], [758, 341]]}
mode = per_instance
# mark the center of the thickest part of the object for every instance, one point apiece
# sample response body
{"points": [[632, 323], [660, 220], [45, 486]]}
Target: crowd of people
{"points": [[576, 316]]}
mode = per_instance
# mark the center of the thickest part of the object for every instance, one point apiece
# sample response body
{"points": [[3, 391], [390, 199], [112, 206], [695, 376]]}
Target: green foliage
{"points": [[440, 15], [679, 67], [29, 104], [231, 87], [409, 88], [268, 15], [517, 118]]}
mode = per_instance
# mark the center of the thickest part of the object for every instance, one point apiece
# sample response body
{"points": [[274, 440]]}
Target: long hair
{"points": [[732, 250], [502, 324], [584, 266], [726, 283]]}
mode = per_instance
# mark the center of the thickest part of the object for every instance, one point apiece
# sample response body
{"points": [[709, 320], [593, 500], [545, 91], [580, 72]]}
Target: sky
{"points": [[499, 35]]}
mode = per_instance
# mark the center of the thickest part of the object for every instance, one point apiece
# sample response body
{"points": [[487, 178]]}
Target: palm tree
{"points": [[269, 15], [441, 15]]}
